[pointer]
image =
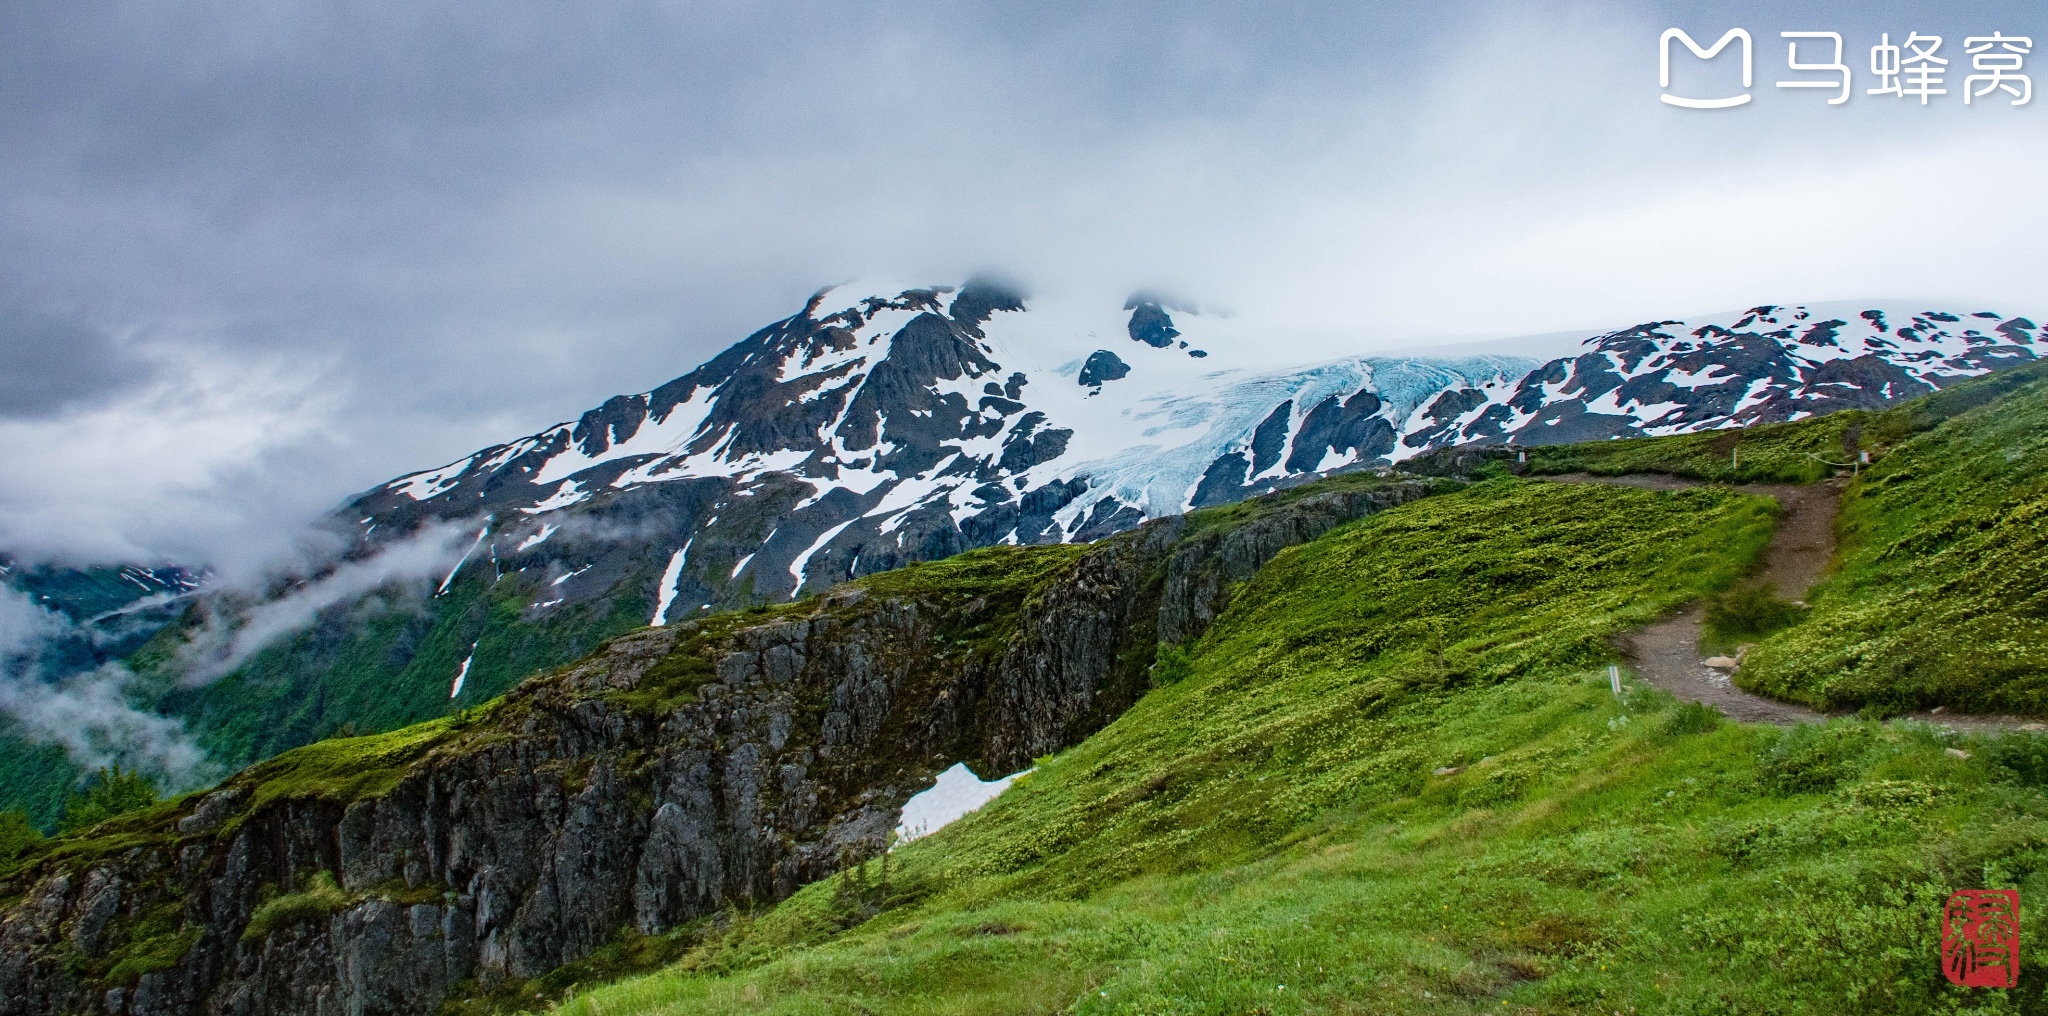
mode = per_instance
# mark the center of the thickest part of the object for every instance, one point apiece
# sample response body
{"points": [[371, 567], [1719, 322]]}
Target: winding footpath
{"points": [[1667, 653]]}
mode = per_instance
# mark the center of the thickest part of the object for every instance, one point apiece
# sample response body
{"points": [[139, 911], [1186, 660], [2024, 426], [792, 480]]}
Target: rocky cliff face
{"points": [[678, 771]]}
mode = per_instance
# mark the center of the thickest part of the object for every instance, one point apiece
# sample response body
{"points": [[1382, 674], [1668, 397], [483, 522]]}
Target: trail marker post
{"points": [[1614, 678]]}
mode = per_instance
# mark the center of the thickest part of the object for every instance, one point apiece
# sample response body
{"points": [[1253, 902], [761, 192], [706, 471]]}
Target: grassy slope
{"points": [[1274, 812], [1942, 595], [381, 663], [1273, 819], [1770, 453]]}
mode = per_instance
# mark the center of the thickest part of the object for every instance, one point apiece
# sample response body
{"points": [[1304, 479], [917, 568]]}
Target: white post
{"points": [[1614, 678]]}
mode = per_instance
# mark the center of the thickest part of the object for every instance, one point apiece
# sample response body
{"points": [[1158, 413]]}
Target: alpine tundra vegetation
{"points": [[1396, 780], [1349, 747]]}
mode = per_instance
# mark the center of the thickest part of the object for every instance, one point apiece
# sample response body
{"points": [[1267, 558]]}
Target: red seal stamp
{"points": [[1980, 938]]}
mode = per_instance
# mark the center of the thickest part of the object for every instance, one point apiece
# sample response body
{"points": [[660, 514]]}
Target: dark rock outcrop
{"points": [[677, 771], [1103, 365], [1150, 324]]}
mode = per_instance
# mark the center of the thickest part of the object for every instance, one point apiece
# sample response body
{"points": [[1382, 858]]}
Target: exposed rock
{"points": [[870, 431], [1103, 365], [676, 772], [1150, 324]]}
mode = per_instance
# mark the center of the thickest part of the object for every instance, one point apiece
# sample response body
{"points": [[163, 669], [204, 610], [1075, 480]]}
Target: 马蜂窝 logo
{"points": [[1664, 67], [1907, 70], [1980, 938]]}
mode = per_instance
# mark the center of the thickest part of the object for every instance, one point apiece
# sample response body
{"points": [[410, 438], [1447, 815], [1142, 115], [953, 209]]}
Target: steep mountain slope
{"points": [[1395, 781], [66, 621], [681, 770], [1942, 598], [885, 425], [1383, 764]]}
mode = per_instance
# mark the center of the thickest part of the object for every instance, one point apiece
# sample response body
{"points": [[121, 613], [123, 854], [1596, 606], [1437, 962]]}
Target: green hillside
{"points": [[1394, 780], [373, 664], [1942, 596], [35, 776], [381, 662], [1391, 777]]}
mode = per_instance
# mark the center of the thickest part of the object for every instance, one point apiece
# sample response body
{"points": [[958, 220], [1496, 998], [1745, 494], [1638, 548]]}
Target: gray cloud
{"points": [[90, 716], [88, 713], [233, 633], [345, 243], [47, 363], [23, 626]]}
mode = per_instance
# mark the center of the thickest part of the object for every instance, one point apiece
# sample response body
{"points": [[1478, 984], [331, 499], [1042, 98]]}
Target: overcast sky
{"points": [[255, 257]]}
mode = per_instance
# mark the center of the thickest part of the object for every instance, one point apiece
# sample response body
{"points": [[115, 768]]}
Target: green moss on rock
{"points": [[321, 897]]}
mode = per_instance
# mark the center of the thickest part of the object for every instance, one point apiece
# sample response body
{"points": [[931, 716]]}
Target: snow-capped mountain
{"points": [[869, 431], [1764, 365], [877, 427], [880, 426]]}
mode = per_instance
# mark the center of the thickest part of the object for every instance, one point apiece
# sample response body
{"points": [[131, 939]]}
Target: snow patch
{"points": [[462, 674], [421, 486], [957, 793], [796, 567], [668, 584], [452, 572], [567, 494]]}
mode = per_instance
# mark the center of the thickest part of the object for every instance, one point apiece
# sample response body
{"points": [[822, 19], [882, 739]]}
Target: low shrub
{"points": [[16, 836], [1171, 666], [1692, 718], [1747, 613], [321, 897], [110, 792], [1808, 759]]}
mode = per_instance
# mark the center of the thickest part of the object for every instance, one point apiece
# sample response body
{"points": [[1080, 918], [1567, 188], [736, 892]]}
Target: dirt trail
{"points": [[1667, 653]]}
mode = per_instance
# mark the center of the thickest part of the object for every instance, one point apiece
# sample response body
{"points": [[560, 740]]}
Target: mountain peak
{"points": [[897, 422]]}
